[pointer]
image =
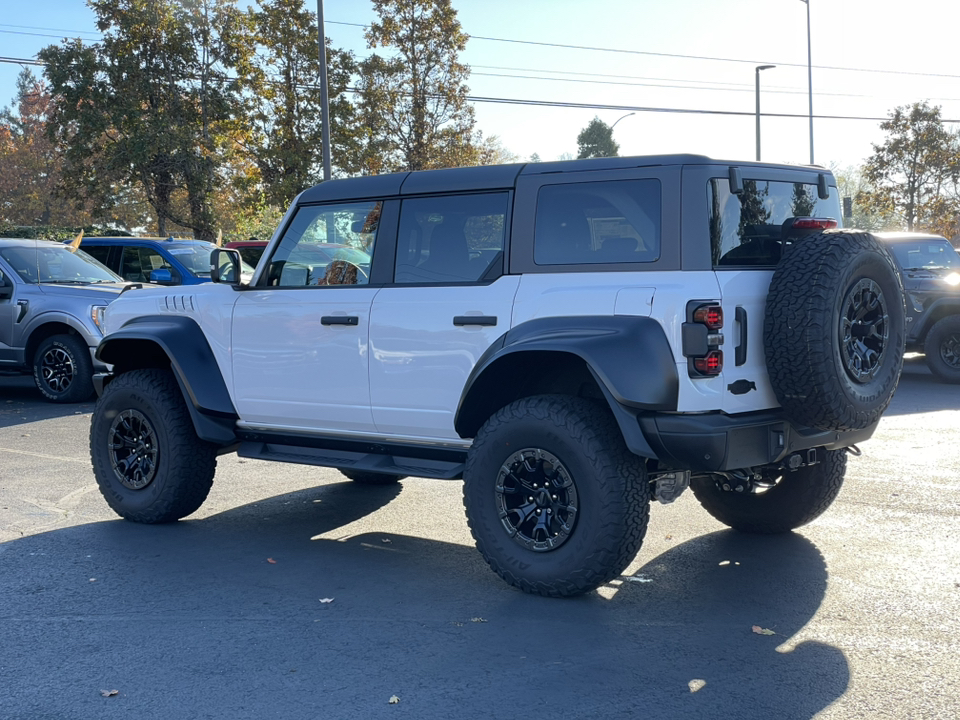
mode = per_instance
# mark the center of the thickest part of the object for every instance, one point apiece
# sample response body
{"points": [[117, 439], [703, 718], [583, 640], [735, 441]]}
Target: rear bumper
{"points": [[713, 441]]}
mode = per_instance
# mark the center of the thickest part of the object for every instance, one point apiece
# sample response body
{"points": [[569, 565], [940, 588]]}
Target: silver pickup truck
{"points": [[52, 298]]}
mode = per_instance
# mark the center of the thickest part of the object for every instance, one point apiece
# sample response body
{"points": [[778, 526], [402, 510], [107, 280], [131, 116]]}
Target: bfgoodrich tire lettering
{"points": [[62, 369], [612, 495], [149, 463], [799, 497], [942, 349], [834, 331]]}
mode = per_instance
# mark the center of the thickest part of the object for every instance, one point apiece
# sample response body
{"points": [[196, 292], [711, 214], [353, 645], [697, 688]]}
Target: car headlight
{"points": [[96, 314]]}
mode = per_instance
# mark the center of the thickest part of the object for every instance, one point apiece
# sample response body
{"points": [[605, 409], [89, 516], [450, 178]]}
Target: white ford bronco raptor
{"points": [[573, 339]]}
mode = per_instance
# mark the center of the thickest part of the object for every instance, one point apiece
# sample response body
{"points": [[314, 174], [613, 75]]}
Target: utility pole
{"points": [[324, 94], [809, 77], [758, 69]]}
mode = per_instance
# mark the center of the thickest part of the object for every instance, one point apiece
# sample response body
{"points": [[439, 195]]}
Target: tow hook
{"points": [[854, 450]]}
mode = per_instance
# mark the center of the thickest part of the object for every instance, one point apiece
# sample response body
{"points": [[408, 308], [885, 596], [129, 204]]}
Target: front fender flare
{"points": [[192, 362]]}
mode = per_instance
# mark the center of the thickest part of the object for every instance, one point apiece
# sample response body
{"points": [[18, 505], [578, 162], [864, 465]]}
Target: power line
{"points": [[34, 27], [565, 104], [683, 57]]}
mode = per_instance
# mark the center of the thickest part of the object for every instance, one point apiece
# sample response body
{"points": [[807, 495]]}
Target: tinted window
{"points": [[100, 253], [600, 222], [55, 264], [139, 262], [450, 239], [747, 229], [926, 255], [326, 245]]}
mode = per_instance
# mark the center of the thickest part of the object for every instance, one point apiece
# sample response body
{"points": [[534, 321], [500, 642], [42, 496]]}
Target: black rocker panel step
{"points": [[387, 464]]}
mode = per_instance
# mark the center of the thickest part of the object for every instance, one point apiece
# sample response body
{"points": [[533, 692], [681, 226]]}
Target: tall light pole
{"points": [[809, 76], [324, 95], [758, 69], [619, 119]]}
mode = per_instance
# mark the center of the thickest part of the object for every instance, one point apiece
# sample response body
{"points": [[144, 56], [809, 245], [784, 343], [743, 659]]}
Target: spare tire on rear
{"points": [[834, 330]]}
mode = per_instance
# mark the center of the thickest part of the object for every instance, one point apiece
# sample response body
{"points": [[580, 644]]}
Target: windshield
{"points": [[196, 258], [57, 264], [926, 255]]}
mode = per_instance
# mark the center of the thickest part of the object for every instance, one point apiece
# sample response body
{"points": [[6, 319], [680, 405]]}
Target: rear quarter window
{"points": [[615, 221]]}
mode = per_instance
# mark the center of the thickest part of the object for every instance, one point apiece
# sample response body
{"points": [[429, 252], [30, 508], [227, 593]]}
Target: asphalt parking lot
{"points": [[293, 593]]}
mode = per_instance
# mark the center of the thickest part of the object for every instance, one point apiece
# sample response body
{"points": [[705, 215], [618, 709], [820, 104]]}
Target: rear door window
{"points": [[747, 230], [451, 239]]}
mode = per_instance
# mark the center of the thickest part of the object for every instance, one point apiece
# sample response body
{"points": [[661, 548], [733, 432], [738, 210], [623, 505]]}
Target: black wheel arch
{"points": [[623, 361], [179, 344]]}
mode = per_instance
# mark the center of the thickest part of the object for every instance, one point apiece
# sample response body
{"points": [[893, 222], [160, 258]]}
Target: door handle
{"points": [[740, 355], [486, 320], [339, 320]]}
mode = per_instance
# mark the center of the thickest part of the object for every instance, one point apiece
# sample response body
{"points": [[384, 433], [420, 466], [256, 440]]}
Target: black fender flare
{"points": [[935, 310], [628, 356], [192, 362]]}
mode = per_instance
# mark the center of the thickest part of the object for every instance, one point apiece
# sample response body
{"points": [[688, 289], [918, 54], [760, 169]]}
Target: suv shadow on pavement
{"points": [[21, 402], [192, 619]]}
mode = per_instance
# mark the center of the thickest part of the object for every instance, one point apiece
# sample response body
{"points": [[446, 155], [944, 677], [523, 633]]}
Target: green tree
{"points": [[152, 104], [913, 172], [596, 140], [414, 102], [285, 102], [852, 184]]}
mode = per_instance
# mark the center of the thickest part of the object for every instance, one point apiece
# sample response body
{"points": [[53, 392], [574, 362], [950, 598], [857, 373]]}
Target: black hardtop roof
{"points": [[496, 177]]}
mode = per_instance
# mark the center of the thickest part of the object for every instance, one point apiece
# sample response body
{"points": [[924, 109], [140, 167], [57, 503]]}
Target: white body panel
{"points": [[747, 289], [420, 360], [291, 370], [612, 293]]}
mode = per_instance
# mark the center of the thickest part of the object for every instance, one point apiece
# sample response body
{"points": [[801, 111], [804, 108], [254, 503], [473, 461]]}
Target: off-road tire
{"points": [[941, 348], [813, 290], [798, 498], [185, 464], [63, 370], [611, 484], [370, 478]]}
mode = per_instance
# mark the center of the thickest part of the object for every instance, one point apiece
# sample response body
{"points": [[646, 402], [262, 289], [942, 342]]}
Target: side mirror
{"points": [[162, 276], [736, 180], [225, 266]]}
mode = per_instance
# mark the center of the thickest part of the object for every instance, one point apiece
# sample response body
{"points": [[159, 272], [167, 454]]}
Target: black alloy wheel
{"points": [[134, 452], [536, 499], [57, 369], [864, 330], [942, 349]]}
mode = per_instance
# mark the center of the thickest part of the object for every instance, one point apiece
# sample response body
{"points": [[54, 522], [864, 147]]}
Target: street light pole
{"points": [[758, 69], [324, 95], [619, 119], [809, 77]]}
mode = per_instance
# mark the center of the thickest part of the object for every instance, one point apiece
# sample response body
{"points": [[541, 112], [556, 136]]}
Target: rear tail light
{"points": [[709, 315], [709, 364], [702, 339]]}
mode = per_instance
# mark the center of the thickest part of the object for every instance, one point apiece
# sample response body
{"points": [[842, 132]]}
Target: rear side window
{"points": [[616, 221], [747, 230], [451, 239]]}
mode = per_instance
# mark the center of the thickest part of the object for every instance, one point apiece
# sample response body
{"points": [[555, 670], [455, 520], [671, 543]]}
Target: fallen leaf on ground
{"points": [[386, 540], [109, 693], [394, 700], [762, 631], [271, 561], [477, 619], [326, 600]]}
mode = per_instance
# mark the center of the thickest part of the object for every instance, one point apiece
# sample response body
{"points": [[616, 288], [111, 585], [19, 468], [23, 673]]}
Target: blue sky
{"points": [[895, 53]]}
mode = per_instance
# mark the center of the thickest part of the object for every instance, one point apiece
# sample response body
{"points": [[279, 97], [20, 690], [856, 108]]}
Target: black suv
{"points": [[930, 268]]}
